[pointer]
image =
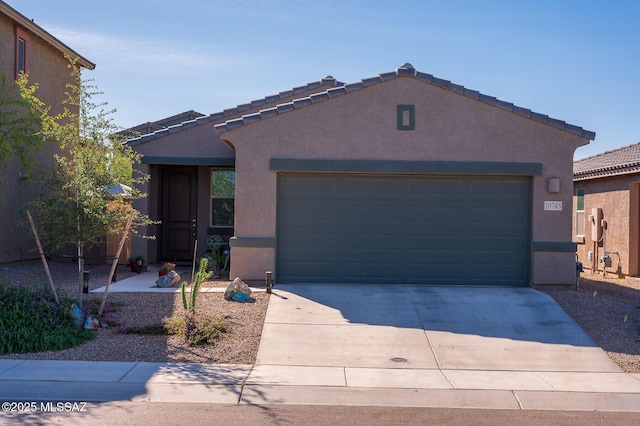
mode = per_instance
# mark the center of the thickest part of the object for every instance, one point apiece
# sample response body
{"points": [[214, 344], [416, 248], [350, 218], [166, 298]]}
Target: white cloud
{"points": [[138, 54]]}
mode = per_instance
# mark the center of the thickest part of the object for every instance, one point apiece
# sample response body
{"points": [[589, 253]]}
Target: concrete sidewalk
{"points": [[372, 345], [245, 384]]}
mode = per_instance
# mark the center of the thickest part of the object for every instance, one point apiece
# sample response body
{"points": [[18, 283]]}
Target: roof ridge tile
{"points": [[350, 87], [440, 82], [284, 107], [316, 97], [371, 80], [508, 106], [388, 75], [336, 91], [491, 100], [424, 76]]}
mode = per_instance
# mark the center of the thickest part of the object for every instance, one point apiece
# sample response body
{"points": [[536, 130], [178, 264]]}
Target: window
{"points": [[580, 211], [22, 42], [21, 66], [223, 190]]}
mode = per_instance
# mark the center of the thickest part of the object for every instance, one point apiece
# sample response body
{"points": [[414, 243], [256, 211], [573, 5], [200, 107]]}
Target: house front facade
{"points": [[606, 225], [25, 47], [400, 178]]}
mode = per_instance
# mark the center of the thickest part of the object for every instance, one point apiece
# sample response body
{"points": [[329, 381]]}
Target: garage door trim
{"points": [[398, 166]]}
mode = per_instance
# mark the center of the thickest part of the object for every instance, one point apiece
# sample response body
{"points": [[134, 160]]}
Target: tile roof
{"points": [[405, 70], [153, 126], [219, 116], [619, 161]]}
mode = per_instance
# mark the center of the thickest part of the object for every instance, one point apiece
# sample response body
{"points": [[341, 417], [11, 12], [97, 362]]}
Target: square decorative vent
{"points": [[406, 117]]}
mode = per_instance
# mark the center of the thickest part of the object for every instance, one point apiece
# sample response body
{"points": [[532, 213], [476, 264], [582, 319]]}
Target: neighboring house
{"points": [[400, 178], [165, 123], [26, 47], [607, 210]]}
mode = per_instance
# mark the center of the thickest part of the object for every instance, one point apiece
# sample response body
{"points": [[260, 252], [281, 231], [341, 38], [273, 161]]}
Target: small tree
{"points": [[78, 205], [19, 121]]}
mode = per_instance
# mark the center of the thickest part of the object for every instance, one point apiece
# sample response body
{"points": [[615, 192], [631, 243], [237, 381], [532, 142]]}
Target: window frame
{"points": [[220, 197], [22, 41]]}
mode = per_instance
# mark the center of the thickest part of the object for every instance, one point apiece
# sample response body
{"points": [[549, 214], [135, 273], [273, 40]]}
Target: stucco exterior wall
{"points": [[47, 67], [198, 141], [7, 45], [614, 196], [362, 125], [196, 145]]}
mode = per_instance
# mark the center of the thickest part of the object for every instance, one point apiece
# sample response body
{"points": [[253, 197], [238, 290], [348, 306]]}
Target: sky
{"points": [[577, 61]]}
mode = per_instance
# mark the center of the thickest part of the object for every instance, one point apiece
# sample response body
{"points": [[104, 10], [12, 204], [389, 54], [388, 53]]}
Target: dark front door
{"points": [[179, 203]]}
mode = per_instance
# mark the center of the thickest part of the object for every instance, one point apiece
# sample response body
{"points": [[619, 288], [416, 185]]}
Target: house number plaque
{"points": [[553, 205]]}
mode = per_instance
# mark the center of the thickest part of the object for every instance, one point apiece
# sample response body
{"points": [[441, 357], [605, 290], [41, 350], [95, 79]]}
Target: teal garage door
{"points": [[403, 229]]}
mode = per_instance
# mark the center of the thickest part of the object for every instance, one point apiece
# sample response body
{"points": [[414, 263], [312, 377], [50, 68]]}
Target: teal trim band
{"points": [[252, 242], [394, 166], [557, 246], [189, 161]]}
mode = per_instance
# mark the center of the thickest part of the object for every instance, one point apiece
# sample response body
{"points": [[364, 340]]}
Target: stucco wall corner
{"points": [[250, 263], [554, 268]]}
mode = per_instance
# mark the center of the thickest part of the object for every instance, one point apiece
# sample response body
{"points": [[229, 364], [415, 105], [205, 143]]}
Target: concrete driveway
{"points": [[417, 337], [471, 328]]}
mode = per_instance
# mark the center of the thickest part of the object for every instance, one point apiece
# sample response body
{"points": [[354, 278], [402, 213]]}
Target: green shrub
{"points": [[196, 329], [193, 328], [110, 312], [31, 321], [149, 329]]}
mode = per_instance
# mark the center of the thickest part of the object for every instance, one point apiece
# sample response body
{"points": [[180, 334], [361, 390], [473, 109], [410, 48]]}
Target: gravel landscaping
{"points": [[238, 346], [607, 308]]}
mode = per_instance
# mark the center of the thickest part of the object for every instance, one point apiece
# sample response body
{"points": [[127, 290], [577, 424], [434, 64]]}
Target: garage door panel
{"points": [[429, 257], [312, 187], [437, 188], [489, 275], [301, 212], [496, 215], [420, 245], [312, 257], [436, 274], [502, 244], [374, 214], [453, 230], [308, 238], [371, 272], [307, 272], [434, 213], [372, 188], [364, 242]]}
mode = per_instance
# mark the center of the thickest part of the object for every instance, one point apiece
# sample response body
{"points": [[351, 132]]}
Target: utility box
{"points": [[596, 224]]}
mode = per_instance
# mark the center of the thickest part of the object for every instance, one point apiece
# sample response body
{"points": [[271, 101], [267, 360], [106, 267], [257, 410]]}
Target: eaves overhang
{"points": [[34, 28]]}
